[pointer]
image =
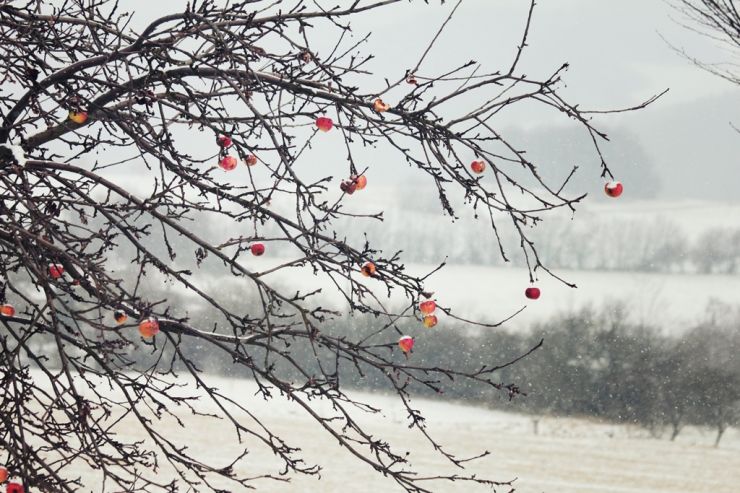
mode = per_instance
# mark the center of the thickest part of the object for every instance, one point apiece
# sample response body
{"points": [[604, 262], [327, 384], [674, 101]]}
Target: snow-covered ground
{"points": [[567, 455]]}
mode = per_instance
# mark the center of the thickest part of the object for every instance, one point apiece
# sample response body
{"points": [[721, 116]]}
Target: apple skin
{"points": [[360, 181], [406, 343], [4, 474], [430, 321], [224, 141], [79, 117], [56, 270], [227, 163], [613, 189], [15, 488], [149, 327], [7, 310], [324, 124], [532, 293], [368, 270], [250, 160], [478, 167], [120, 316], [380, 106], [427, 307], [257, 249]]}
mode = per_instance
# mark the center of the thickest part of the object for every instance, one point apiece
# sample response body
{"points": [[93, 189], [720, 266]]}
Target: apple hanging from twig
{"points": [[149, 327], [613, 189], [532, 293], [406, 343], [7, 310], [324, 124]]}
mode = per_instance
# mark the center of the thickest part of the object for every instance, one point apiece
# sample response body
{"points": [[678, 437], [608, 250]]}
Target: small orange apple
{"points": [[380, 106], [368, 270], [7, 310], [250, 160], [149, 327], [430, 321], [4, 474], [79, 117], [360, 181]]}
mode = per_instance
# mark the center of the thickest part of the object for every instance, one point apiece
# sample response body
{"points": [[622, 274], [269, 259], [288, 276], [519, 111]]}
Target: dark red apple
{"points": [[613, 189], [478, 167], [532, 293], [224, 141], [257, 249]]}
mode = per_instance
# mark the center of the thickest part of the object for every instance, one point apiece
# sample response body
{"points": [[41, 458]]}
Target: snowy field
{"points": [[567, 455]]}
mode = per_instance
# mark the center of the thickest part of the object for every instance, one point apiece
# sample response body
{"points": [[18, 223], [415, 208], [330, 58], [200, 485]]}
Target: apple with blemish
{"points": [[380, 106], [613, 189], [406, 343], [250, 160], [348, 186], [120, 316], [324, 123], [368, 270], [149, 327], [478, 166], [227, 163], [257, 249], [532, 293], [224, 141], [430, 321]]}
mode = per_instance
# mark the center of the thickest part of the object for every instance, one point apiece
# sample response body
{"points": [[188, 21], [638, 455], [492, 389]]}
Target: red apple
{"points": [[56, 270], [257, 249], [7, 310], [250, 160], [324, 124], [120, 316], [532, 293], [406, 343], [478, 167], [368, 270], [348, 187], [227, 163], [427, 307], [4, 474], [79, 117], [380, 106], [149, 327], [430, 321], [613, 189], [224, 141], [359, 181], [15, 488]]}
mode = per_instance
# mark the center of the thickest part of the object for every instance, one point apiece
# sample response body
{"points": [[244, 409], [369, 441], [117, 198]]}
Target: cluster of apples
{"points": [[148, 327], [12, 486], [227, 162], [429, 319], [353, 184]]}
